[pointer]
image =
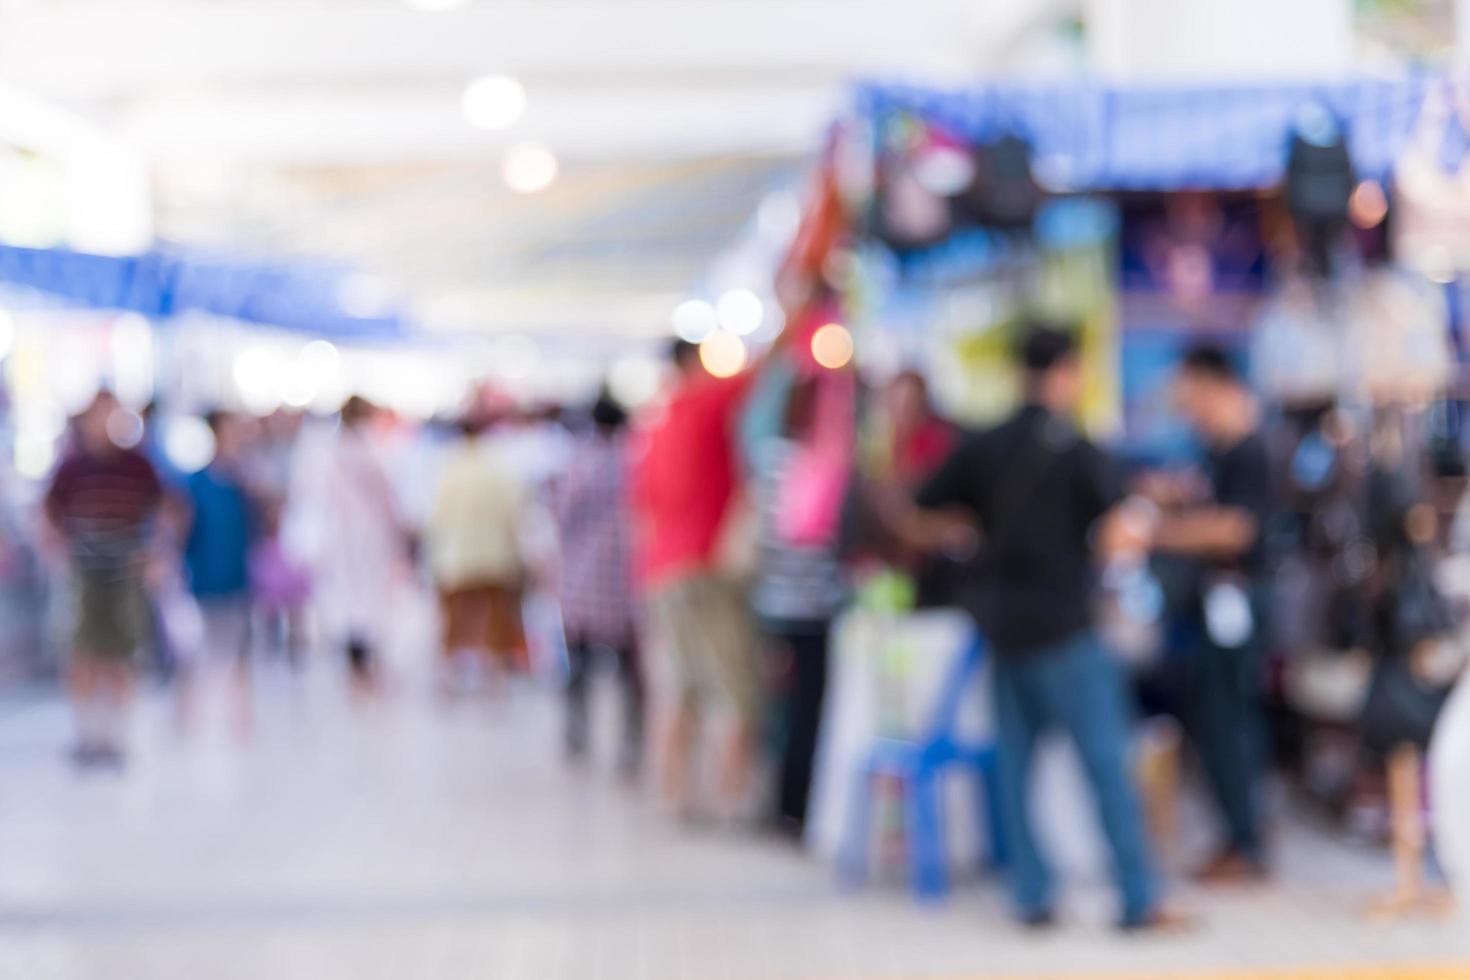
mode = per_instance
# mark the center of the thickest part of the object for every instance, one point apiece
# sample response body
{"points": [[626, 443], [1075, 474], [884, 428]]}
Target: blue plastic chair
{"points": [[920, 765]]}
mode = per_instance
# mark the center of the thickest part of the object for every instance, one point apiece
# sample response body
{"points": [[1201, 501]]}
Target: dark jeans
{"points": [[803, 648], [1075, 686], [1223, 717], [581, 658]]}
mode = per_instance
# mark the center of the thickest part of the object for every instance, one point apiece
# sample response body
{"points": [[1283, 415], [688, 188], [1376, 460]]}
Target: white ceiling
{"points": [[333, 127]]}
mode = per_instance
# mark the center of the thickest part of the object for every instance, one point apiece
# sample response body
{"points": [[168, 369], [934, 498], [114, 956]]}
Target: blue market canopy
{"points": [[161, 284], [1093, 136]]}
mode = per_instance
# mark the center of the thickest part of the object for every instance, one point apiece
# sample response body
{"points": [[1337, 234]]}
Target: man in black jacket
{"points": [[1046, 500]]}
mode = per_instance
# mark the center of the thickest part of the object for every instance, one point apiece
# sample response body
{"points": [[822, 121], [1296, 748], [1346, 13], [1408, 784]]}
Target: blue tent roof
{"points": [[1093, 136], [161, 284]]}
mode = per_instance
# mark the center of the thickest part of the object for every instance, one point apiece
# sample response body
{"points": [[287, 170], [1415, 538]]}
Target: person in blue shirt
{"points": [[221, 533]]}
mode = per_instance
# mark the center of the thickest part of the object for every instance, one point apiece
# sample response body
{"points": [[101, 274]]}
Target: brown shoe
{"points": [[1230, 867]]}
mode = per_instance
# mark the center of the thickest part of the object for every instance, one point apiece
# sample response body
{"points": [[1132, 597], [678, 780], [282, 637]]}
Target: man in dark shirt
{"points": [[1220, 529], [1045, 499], [101, 505]]}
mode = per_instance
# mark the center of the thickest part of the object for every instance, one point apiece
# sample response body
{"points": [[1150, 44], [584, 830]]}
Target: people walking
{"points": [[598, 602], [101, 507], [223, 526], [474, 554]]}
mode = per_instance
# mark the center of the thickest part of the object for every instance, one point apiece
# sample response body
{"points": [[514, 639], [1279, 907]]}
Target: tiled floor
{"points": [[408, 840]]}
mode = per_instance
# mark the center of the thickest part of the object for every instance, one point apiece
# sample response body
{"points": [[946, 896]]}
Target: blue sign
{"points": [[161, 284]]}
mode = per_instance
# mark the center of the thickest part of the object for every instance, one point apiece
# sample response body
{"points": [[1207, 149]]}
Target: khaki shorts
{"points": [[112, 618], [704, 624]]}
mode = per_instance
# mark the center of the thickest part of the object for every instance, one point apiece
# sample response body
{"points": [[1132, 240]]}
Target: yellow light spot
{"points": [[832, 346], [722, 354]]}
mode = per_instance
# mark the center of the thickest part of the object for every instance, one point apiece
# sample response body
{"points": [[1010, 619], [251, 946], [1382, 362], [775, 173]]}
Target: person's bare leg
{"points": [[82, 683], [677, 755], [114, 696], [186, 698], [1406, 816], [735, 767], [242, 698], [1158, 777], [449, 654]]}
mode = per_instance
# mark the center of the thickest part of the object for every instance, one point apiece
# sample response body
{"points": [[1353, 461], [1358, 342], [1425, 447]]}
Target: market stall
{"points": [[1285, 223]]}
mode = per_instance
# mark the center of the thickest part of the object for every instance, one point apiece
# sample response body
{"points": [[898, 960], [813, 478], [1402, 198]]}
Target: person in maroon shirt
{"points": [[101, 507]]}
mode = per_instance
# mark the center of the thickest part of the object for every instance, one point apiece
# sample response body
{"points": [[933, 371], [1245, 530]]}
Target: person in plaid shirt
{"points": [[598, 604]]}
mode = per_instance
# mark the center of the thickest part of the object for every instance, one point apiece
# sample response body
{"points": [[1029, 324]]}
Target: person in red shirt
{"points": [[684, 498], [920, 438]]}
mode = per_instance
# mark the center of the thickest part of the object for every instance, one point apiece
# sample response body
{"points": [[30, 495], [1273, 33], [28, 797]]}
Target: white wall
{"points": [[1220, 39]]}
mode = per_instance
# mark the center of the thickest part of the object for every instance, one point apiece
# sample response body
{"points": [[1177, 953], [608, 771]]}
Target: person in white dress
{"points": [[363, 551]]}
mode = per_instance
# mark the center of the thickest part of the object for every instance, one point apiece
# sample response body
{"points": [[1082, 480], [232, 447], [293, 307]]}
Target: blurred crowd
{"points": [[703, 549]]}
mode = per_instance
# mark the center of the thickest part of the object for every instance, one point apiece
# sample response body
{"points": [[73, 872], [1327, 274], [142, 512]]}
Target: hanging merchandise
{"points": [[823, 224], [910, 217], [1431, 225], [815, 483], [1319, 184], [1296, 351], [1397, 330], [916, 171], [1003, 192]]}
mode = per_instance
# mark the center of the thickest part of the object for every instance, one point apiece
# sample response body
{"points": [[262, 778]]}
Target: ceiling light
{"points": [[529, 168], [493, 101]]}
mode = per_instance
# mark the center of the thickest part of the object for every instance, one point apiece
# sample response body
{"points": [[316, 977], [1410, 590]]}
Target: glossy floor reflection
{"points": [[413, 840]]}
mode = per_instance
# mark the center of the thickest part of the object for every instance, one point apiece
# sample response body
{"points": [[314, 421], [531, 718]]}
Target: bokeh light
{"points": [[694, 320], [1368, 205], [740, 311], [493, 102], [125, 428], [832, 346], [529, 168], [723, 354], [188, 443], [258, 372]]}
